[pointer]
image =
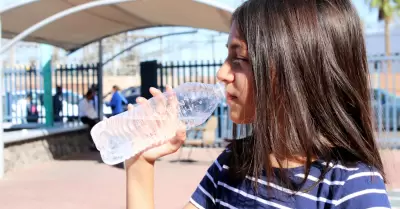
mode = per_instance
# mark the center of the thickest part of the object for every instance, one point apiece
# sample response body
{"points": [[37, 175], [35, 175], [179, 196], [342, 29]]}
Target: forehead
{"points": [[235, 41]]}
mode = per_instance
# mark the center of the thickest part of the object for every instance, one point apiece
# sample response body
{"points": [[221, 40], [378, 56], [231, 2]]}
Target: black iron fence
{"points": [[385, 90], [23, 100], [176, 73], [74, 80], [23, 95], [20, 101]]}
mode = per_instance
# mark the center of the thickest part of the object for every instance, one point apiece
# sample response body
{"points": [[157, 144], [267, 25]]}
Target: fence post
{"points": [[100, 81], [148, 77], [48, 93], [2, 167]]}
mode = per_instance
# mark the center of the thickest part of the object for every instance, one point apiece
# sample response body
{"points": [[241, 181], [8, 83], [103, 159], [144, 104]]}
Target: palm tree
{"points": [[387, 10]]}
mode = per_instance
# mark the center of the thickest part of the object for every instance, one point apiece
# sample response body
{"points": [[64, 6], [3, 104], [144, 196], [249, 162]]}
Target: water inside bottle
{"points": [[194, 121]]}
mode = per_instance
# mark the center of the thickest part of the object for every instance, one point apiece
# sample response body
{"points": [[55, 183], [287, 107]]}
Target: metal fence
{"points": [[24, 93], [23, 96], [19, 85], [176, 73], [385, 90]]}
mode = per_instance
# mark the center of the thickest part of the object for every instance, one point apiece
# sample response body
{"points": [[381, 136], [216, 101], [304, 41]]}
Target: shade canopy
{"points": [[79, 29]]}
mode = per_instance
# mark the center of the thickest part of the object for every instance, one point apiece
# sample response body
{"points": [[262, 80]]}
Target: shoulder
{"points": [[358, 186], [220, 163], [205, 195]]}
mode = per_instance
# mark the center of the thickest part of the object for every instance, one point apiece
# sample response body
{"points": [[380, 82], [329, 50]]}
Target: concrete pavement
{"points": [[83, 182]]}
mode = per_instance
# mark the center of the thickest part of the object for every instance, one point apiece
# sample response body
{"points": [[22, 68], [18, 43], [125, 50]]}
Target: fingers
{"points": [[139, 100], [168, 88], [172, 101], [155, 92], [177, 141], [130, 106]]}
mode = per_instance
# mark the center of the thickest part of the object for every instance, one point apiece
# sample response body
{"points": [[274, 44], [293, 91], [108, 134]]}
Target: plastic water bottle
{"points": [[151, 124]]}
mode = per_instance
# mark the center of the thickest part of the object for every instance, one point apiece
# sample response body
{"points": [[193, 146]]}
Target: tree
{"points": [[387, 10]]}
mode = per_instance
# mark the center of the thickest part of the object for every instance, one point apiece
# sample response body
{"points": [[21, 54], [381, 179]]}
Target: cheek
{"points": [[244, 111], [246, 87]]}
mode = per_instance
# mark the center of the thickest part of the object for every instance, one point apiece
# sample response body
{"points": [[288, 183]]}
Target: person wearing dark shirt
{"points": [[58, 104], [297, 81]]}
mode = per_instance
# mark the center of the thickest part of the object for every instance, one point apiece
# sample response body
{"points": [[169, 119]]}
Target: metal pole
{"points": [[145, 41], [213, 47], [1, 110], [161, 50], [100, 82], [48, 95]]}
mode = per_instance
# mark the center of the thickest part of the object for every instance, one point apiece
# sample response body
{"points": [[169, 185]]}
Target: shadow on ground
{"points": [[95, 156]]}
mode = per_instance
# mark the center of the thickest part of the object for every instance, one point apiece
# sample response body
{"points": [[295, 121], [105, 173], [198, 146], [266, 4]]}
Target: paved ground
{"points": [[84, 182]]}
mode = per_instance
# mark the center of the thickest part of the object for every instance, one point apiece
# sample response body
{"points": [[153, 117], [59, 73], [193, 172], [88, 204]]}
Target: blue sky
{"points": [[192, 47]]}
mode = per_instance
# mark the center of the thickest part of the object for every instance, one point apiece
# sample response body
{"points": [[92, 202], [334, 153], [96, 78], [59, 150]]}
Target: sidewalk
{"points": [[83, 182]]}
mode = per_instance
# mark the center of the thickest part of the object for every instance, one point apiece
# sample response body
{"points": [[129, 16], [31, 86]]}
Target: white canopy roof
{"points": [[84, 27]]}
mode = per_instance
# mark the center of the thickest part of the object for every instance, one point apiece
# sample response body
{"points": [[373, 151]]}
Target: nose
{"points": [[225, 73]]}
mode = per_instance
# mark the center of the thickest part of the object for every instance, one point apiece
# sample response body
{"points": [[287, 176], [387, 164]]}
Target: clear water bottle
{"points": [[151, 124]]}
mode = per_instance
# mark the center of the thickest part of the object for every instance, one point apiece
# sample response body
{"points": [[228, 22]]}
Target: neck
{"points": [[291, 162]]}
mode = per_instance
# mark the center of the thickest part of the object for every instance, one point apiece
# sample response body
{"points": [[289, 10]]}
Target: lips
{"points": [[230, 97]]}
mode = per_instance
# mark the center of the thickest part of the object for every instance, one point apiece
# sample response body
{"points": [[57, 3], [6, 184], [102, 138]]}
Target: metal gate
{"points": [[24, 92], [385, 94], [176, 73]]}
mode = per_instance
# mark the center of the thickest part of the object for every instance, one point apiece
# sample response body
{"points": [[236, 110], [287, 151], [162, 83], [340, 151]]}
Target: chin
{"points": [[238, 118]]}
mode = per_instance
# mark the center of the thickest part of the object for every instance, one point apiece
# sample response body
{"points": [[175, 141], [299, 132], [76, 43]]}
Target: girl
{"points": [[297, 75]]}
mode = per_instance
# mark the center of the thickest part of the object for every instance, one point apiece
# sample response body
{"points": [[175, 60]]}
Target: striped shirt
{"points": [[343, 187]]}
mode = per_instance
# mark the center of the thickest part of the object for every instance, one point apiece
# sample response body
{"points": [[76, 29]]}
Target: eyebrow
{"points": [[233, 46]]}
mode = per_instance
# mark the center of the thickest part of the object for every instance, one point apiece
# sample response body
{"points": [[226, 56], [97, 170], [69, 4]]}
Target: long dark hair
{"points": [[311, 85]]}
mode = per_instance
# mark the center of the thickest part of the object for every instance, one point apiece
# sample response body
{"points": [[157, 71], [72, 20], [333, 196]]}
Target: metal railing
{"points": [[24, 92], [385, 90], [176, 73], [385, 93], [20, 101]]}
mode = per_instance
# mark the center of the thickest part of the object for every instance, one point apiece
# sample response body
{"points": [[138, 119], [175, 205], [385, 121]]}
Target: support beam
{"points": [[145, 41], [100, 82], [48, 95], [1, 112]]}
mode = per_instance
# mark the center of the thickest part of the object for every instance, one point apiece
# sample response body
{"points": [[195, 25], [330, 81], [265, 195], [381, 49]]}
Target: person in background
{"points": [[87, 113], [95, 101], [58, 104], [117, 101], [297, 76], [32, 114]]}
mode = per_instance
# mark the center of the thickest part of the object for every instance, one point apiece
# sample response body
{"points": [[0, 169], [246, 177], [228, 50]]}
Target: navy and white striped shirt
{"points": [[358, 187]]}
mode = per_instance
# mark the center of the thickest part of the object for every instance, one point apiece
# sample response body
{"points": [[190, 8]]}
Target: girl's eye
{"points": [[236, 62]]}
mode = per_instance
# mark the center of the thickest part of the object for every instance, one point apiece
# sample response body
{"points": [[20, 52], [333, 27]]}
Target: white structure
{"points": [[375, 41], [81, 28], [73, 25]]}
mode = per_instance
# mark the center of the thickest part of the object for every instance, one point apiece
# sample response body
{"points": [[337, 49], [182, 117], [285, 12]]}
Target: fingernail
{"points": [[154, 89]]}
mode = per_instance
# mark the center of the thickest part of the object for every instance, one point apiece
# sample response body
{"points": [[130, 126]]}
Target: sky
{"points": [[190, 47]]}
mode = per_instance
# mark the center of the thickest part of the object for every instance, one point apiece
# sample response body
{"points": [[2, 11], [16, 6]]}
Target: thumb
{"points": [[179, 138], [130, 106]]}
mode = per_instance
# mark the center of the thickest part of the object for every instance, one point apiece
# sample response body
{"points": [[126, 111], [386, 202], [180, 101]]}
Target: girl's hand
{"points": [[173, 144]]}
